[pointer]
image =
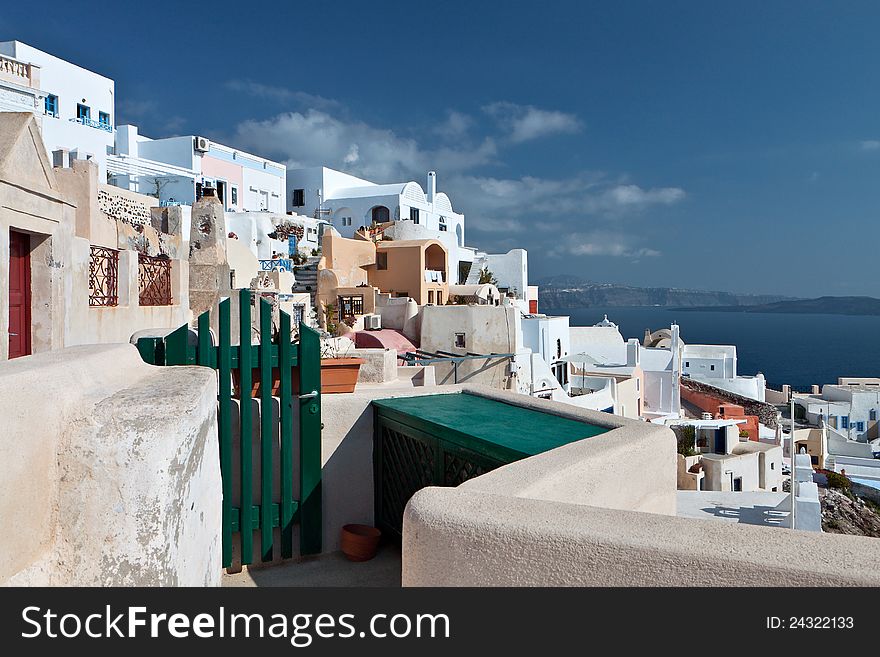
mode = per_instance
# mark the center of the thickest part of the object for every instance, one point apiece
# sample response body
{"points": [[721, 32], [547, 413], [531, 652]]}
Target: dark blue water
{"points": [[797, 349]]}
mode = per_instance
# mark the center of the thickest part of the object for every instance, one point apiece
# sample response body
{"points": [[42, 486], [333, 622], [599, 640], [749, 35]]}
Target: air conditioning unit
{"points": [[202, 144], [372, 322]]}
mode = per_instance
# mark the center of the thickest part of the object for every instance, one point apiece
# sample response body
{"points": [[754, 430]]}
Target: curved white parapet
{"points": [[110, 471], [600, 512]]}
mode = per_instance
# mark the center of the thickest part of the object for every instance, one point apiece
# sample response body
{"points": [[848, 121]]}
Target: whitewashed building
{"points": [[177, 169], [76, 107], [848, 408], [349, 203], [716, 366]]}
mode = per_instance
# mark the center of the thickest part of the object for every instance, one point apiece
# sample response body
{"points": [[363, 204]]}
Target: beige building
{"points": [[417, 269], [358, 277], [81, 262]]}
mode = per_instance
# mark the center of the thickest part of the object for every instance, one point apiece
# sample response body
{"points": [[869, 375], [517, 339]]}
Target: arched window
{"points": [[380, 214]]}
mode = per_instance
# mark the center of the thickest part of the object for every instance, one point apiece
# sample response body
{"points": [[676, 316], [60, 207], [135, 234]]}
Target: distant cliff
{"points": [[563, 292], [820, 306]]}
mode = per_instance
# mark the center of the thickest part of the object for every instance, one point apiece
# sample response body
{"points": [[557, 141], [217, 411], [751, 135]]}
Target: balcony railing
{"points": [[12, 68], [100, 125], [284, 264]]}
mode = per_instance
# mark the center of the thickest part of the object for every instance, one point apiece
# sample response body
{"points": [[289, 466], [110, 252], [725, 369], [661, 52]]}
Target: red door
{"points": [[19, 294]]}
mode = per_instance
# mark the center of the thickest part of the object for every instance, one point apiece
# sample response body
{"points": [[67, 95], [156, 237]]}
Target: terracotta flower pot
{"points": [[339, 375], [360, 542], [255, 382]]}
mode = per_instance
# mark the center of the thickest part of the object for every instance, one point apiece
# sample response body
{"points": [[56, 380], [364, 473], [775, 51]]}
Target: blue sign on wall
{"points": [[291, 245]]}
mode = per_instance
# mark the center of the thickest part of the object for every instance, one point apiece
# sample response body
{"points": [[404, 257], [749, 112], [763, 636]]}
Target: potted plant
{"points": [[339, 371]]}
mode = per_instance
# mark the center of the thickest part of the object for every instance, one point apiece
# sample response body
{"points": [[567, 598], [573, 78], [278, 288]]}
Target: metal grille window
{"points": [[351, 306], [154, 280], [103, 277]]}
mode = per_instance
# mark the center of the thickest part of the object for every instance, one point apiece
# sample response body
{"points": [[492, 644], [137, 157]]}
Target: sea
{"points": [[800, 350]]}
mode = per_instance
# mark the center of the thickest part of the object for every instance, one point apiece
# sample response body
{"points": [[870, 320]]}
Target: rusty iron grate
{"points": [[154, 280], [103, 277]]}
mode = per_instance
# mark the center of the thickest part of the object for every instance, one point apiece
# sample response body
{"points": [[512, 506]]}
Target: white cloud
{"points": [[602, 243], [870, 145], [527, 122], [559, 204], [315, 137], [586, 213], [635, 196], [456, 125], [281, 94]]}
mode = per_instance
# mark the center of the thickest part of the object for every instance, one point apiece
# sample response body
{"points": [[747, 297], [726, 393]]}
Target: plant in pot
{"points": [[339, 371]]}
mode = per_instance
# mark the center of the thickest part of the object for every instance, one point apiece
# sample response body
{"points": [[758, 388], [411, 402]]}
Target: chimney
{"points": [[814, 389], [632, 353], [432, 186]]}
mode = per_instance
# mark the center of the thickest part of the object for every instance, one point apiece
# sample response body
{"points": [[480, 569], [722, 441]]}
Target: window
{"points": [[350, 306], [559, 348], [104, 119], [443, 224], [687, 363], [439, 298], [83, 112], [103, 277], [154, 280], [844, 421], [299, 198], [430, 296], [459, 340], [860, 426], [712, 367], [234, 196], [772, 465], [414, 215], [52, 105], [381, 261], [872, 415], [738, 484]]}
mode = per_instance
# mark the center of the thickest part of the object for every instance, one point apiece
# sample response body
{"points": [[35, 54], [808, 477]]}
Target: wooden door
{"points": [[19, 294]]}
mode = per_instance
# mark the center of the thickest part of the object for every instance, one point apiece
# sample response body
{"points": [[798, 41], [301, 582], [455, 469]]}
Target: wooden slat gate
{"points": [[288, 357]]}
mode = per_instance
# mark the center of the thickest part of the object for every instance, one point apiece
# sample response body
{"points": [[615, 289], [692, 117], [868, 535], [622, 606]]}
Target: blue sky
{"points": [[718, 146]]}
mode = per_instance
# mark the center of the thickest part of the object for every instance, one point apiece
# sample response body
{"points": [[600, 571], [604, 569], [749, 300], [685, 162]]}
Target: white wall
{"points": [[511, 269]]}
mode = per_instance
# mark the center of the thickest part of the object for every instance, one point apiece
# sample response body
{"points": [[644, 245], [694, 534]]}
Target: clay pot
{"points": [[339, 375], [360, 542]]}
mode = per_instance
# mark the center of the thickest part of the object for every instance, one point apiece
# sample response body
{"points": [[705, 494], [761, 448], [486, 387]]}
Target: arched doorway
{"points": [[380, 214]]}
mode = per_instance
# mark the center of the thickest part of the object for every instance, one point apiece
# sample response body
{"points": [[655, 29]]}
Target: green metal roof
{"points": [[505, 430]]}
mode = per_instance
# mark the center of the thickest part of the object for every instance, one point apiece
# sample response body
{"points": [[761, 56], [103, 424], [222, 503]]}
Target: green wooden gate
{"points": [[288, 357]]}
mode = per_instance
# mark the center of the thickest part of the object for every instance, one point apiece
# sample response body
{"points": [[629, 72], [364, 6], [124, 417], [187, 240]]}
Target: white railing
{"points": [[16, 68]]}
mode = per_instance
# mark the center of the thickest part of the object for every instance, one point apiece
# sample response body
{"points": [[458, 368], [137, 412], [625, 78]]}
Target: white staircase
{"points": [[479, 263]]}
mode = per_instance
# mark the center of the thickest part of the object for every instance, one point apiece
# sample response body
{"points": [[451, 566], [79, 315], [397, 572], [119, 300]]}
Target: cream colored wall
{"points": [[487, 329], [347, 258], [406, 269], [532, 523], [464, 537], [58, 208], [629, 396], [118, 435]]}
